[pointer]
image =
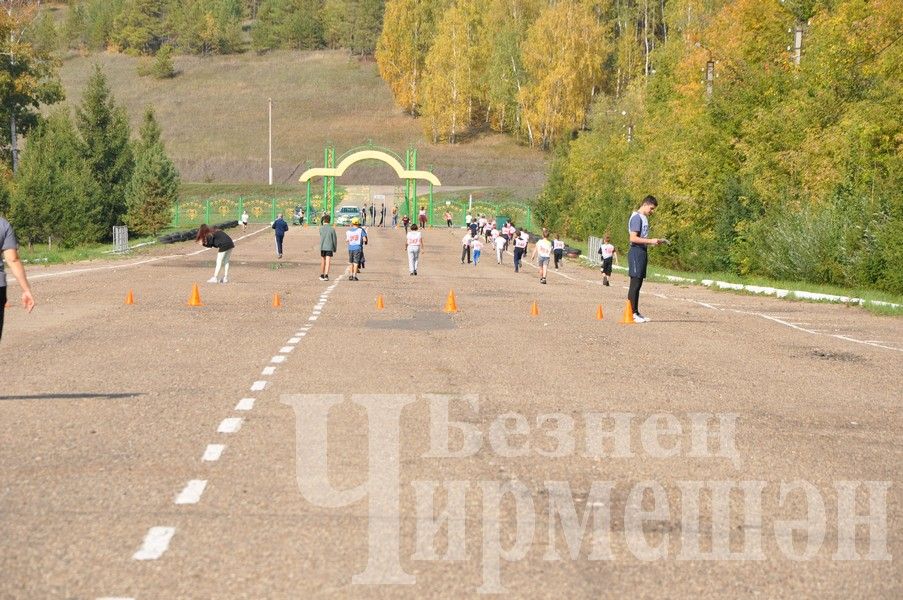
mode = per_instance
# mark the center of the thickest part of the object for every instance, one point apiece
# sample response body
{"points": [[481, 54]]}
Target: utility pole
{"points": [[270, 137]]}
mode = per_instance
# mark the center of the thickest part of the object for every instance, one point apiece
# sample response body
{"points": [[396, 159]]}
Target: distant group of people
{"points": [[372, 210], [481, 230]]}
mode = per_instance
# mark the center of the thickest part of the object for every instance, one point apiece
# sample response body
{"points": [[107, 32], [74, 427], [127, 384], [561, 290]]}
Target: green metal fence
{"points": [[195, 211]]}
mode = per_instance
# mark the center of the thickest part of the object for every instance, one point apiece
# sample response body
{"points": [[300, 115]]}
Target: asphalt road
{"points": [[164, 451]]}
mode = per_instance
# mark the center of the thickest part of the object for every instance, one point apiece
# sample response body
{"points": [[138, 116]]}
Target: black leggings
{"points": [[2, 308], [633, 294]]}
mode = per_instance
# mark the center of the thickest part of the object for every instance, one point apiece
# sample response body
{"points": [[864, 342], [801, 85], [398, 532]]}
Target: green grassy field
{"points": [[214, 119]]}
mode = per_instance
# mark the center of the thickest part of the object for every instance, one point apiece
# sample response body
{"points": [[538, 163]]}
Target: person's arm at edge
{"points": [[18, 270]]}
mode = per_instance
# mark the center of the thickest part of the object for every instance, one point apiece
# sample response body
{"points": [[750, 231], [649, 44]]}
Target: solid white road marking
{"points": [[192, 492], [36, 276], [230, 425], [268, 371], [258, 386], [245, 404], [278, 359], [286, 349], [155, 543], [213, 452]]}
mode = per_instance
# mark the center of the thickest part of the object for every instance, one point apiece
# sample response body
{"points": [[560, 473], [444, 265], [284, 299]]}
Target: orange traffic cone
{"points": [[380, 303], [450, 305], [195, 299], [277, 301], [534, 309], [627, 319], [599, 315], [130, 298]]}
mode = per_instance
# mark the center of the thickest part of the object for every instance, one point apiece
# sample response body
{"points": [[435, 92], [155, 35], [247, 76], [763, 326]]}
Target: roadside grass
{"points": [[685, 278], [40, 254]]}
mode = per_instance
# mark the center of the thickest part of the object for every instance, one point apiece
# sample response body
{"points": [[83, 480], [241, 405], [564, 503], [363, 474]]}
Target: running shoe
{"points": [[213, 280], [639, 318], [224, 280]]}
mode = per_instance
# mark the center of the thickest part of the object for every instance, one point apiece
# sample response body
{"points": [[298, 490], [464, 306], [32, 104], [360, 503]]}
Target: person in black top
{"points": [[281, 228], [211, 237]]}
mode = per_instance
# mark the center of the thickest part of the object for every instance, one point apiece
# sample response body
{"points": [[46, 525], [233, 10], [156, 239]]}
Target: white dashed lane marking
{"points": [[286, 349], [192, 492], [245, 404], [213, 452], [278, 359], [294, 340], [155, 543], [230, 425], [258, 386], [268, 371]]}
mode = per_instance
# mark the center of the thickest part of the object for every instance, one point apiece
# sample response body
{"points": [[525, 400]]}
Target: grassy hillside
{"points": [[214, 119]]}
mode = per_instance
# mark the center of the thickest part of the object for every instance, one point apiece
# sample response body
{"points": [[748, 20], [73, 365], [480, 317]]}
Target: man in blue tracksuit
{"points": [[281, 227]]}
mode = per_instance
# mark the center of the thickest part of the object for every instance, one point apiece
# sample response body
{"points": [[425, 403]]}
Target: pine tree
{"points": [[139, 28], [291, 24], [54, 193], [154, 185], [105, 133]]}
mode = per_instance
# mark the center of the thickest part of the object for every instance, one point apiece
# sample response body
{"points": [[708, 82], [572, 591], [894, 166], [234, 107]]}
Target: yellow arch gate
{"points": [[332, 169]]}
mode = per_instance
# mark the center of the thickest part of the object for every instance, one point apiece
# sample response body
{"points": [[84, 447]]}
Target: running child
{"points": [[543, 248], [558, 250], [608, 253], [499, 243], [414, 244], [520, 248], [356, 238], [477, 245]]}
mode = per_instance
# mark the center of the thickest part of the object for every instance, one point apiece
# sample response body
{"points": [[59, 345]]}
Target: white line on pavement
{"points": [[258, 386], [268, 371], [278, 359], [286, 349], [213, 452], [155, 543], [293, 340], [192, 492], [33, 277], [245, 404], [230, 425]]}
